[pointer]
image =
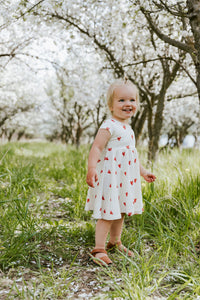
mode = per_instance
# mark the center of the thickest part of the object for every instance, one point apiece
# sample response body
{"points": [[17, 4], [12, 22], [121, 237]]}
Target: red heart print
{"points": [[125, 173], [135, 180], [121, 184], [124, 203], [131, 182], [88, 200], [135, 160], [119, 138], [109, 149], [119, 165], [105, 158], [103, 198], [123, 153], [109, 172], [135, 200], [104, 211], [129, 162], [126, 194]]}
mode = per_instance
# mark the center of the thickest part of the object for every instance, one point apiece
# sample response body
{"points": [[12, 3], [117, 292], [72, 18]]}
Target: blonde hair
{"points": [[118, 83]]}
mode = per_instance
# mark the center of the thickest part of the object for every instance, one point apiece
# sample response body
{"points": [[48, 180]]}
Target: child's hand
{"points": [[91, 177], [149, 177]]}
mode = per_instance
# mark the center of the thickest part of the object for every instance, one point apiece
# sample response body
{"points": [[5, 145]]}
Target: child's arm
{"points": [[100, 142], [149, 177]]}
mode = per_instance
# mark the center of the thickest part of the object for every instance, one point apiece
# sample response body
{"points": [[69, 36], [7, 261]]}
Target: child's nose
{"points": [[129, 102]]}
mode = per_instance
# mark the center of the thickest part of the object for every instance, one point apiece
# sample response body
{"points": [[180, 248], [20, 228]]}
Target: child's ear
{"points": [[111, 109]]}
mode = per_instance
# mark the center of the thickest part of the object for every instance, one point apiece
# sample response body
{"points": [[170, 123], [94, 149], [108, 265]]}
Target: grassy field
{"points": [[45, 234]]}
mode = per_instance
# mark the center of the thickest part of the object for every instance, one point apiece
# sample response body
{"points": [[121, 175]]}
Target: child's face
{"points": [[124, 103]]}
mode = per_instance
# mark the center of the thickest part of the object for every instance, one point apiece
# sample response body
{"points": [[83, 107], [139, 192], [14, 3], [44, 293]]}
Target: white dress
{"points": [[118, 189]]}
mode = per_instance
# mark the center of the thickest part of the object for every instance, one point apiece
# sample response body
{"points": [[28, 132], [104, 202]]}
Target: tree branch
{"points": [[162, 58], [169, 9], [164, 37], [21, 16], [180, 96], [110, 56], [7, 54]]}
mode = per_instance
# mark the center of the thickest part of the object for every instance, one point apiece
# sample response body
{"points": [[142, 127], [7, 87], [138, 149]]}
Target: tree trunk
{"points": [[154, 127], [79, 132], [194, 17], [150, 134], [137, 123]]}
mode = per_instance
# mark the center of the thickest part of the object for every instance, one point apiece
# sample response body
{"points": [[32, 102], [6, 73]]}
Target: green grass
{"points": [[45, 234]]}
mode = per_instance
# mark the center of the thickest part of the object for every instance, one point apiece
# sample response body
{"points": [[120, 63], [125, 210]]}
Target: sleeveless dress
{"points": [[118, 189]]}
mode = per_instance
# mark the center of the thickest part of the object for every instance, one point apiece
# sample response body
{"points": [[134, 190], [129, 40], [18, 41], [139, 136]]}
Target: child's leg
{"points": [[115, 236], [116, 230], [102, 229]]}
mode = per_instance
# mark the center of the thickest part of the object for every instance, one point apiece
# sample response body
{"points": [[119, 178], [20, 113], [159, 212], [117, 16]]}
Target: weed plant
{"points": [[45, 234]]}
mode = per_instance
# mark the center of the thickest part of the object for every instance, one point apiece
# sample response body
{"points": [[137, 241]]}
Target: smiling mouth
{"points": [[127, 109]]}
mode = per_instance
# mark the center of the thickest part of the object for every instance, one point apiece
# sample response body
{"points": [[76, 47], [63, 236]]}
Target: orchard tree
{"points": [[77, 100], [73, 118], [14, 34], [7, 114], [98, 114], [187, 18], [181, 118], [23, 67]]}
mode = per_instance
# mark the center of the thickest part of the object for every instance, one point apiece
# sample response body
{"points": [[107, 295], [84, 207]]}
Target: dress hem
{"points": [[117, 217]]}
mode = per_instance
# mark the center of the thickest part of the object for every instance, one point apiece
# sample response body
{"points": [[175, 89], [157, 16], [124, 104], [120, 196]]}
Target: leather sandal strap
{"points": [[120, 247], [103, 260], [110, 245], [126, 251], [95, 251], [106, 259]]}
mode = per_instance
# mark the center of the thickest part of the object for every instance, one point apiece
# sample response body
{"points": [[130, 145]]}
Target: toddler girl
{"points": [[114, 172]]}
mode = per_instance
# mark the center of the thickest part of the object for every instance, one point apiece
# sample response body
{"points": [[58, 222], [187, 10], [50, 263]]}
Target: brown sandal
{"points": [[120, 247], [103, 261]]}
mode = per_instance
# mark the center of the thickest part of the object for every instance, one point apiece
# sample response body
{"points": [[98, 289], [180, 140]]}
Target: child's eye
{"points": [[121, 100], [132, 100]]}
